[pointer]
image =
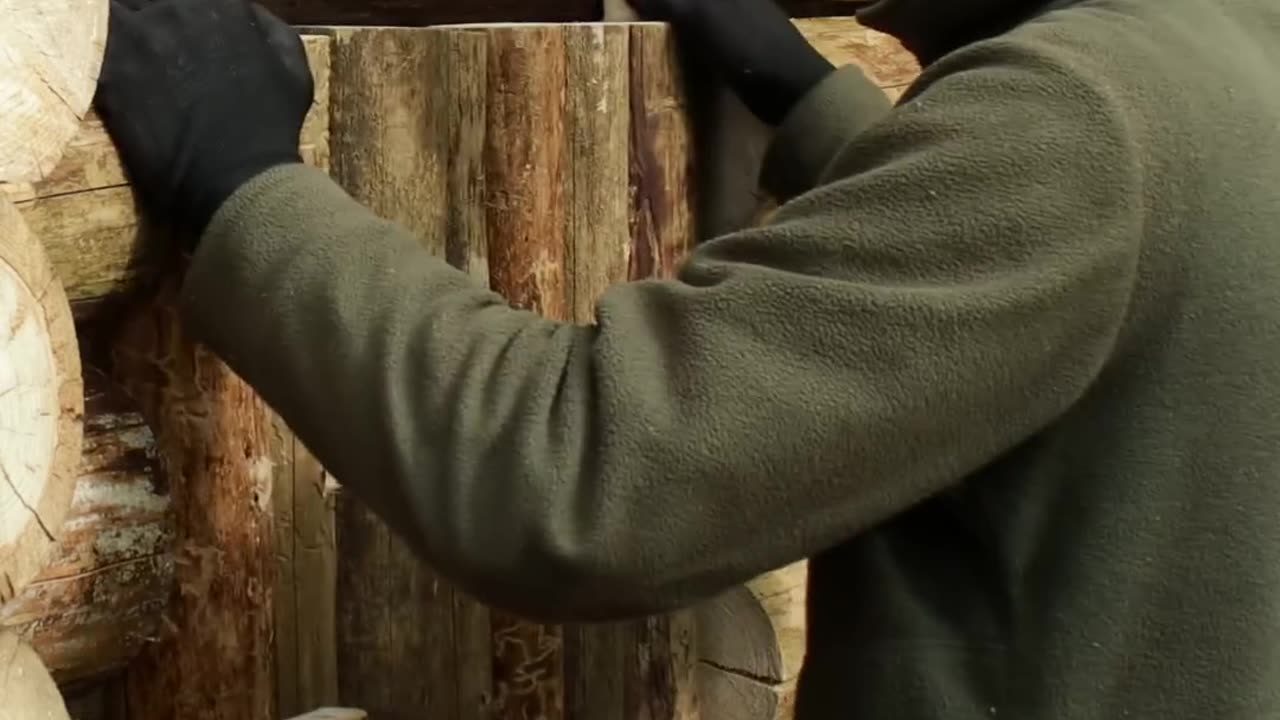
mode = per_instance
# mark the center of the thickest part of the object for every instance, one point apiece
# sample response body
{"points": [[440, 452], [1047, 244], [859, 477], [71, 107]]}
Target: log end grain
{"points": [[50, 56], [27, 691], [41, 405]]}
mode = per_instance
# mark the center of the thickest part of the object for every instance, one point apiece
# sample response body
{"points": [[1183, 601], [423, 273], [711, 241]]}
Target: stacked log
{"points": [[166, 563]]}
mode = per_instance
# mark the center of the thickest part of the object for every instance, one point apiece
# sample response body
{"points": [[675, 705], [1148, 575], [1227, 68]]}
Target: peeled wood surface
{"points": [[215, 451], [102, 595], [41, 405], [549, 162], [751, 644], [27, 691], [50, 55]]}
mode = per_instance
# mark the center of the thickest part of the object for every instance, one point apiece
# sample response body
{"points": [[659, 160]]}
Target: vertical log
{"points": [[527, 222], [390, 139], [221, 450], [216, 444], [306, 656], [550, 162], [663, 225]]}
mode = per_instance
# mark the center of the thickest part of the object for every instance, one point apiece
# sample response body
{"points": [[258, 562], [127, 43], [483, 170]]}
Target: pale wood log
{"points": [[50, 55], [41, 405], [751, 645], [27, 691], [102, 595], [217, 449]]}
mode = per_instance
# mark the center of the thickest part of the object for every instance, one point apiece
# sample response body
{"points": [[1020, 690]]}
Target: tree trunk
{"points": [[41, 405], [50, 54]]}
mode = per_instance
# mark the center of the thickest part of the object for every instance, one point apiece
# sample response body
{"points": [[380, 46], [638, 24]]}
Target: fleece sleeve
{"points": [[956, 284]]}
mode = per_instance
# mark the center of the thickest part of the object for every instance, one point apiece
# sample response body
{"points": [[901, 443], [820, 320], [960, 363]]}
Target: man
{"points": [[1005, 364]]}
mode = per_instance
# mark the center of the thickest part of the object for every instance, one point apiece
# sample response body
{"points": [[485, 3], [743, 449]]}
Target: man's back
{"points": [[1125, 561]]}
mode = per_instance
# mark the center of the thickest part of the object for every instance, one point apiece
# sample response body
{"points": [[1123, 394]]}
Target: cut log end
{"points": [[27, 690], [41, 405], [50, 56]]}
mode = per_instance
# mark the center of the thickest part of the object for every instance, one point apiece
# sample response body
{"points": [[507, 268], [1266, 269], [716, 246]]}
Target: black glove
{"points": [[752, 44], [200, 96]]}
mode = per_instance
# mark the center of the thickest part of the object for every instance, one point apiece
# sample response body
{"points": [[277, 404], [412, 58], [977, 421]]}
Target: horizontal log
{"points": [[102, 595], [87, 217]]}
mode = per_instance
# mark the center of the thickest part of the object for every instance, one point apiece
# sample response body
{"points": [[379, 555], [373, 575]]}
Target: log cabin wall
{"points": [[209, 569]]}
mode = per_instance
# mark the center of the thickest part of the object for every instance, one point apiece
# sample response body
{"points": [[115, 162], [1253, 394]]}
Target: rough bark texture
{"points": [[173, 514], [306, 656], [41, 405], [50, 54], [549, 161], [27, 690], [100, 598]]}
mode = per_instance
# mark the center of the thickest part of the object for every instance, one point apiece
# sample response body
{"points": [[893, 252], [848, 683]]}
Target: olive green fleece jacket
{"points": [[1006, 365]]}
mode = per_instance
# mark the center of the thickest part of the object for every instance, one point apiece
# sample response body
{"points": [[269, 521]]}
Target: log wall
{"points": [[209, 569]]}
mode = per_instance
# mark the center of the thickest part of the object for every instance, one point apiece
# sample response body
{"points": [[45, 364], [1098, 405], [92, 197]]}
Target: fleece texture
{"points": [[1005, 365]]}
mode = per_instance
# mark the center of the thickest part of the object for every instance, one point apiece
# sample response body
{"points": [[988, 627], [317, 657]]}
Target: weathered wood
{"points": [[41, 405], [215, 449], [50, 55], [27, 691], [391, 112], [101, 596], [527, 217], [549, 161], [306, 654]]}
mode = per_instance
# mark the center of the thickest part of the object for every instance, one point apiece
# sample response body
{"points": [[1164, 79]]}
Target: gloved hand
{"points": [[200, 96], [752, 44]]}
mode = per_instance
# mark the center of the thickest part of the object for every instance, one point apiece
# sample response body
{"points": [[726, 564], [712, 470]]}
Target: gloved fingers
{"points": [[286, 42]]}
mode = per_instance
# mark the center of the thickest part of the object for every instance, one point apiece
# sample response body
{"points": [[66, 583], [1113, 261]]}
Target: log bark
{"points": [[50, 55], [41, 405], [28, 690], [550, 162], [101, 596], [200, 609]]}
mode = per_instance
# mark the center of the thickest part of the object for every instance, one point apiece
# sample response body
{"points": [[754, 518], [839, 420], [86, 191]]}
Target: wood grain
{"points": [[28, 690], [41, 405], [389, 139], [200, 609], [50, 56], [100, 598]]}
